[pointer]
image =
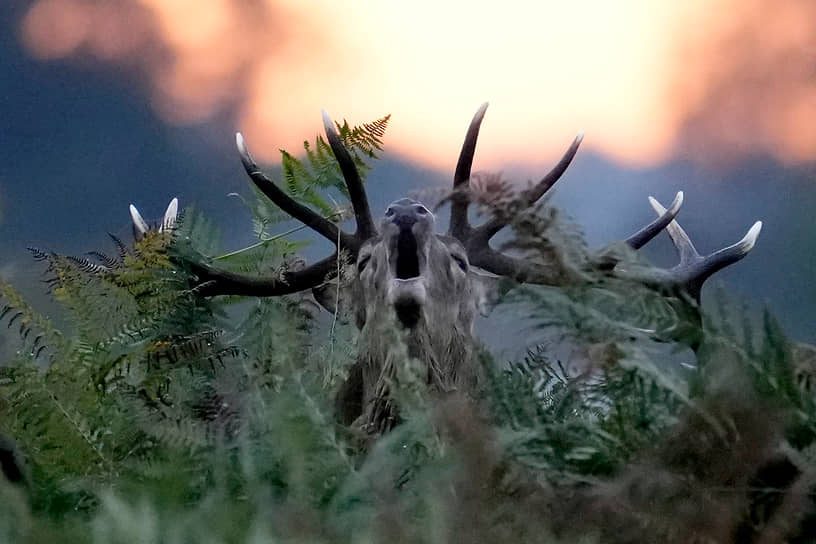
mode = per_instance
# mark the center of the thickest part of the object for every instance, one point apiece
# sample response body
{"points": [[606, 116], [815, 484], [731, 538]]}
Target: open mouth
{"points": [[408, 312], [407, 288], [407, 256]]}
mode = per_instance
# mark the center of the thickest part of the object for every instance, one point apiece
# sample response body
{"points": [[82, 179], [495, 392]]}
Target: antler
{"points": [[477, 240], [221, 282], [354, 183], [459, 224], [693, 269], [140, 226], [688, 276]]}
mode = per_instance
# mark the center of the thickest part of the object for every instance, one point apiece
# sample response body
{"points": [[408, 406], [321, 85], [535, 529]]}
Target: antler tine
{"points": [[682, 242], [522, 270], [647, 233], [286, 203], [502, 265], [359, 201], [140, 227], [215, 282], [557, 171], [459, 225], [170, 216], [694, 269], [531, 196]]}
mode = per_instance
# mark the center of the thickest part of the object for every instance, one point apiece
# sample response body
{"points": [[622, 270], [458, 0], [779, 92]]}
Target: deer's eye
{"points": [[362, 263], [460, 262], [421, 210]]}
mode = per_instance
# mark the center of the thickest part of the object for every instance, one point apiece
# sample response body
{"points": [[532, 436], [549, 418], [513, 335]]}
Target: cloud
{"points": [[645, 79], [197, 58], [749, 83]]}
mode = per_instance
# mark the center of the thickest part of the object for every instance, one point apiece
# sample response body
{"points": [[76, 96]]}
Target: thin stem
{"points": [[79, 429], [271, 239], [336, 300]]}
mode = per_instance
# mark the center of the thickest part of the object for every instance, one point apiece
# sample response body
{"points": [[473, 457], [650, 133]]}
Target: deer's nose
{"points": [[402, 216], [404, 220]]}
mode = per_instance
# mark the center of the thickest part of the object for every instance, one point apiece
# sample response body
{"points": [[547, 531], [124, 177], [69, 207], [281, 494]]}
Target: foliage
{"points": [[307, 180], [169, 418]]}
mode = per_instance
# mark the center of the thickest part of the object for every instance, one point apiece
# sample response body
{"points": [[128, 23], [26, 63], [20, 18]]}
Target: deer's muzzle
{"points": [[406, 288]]}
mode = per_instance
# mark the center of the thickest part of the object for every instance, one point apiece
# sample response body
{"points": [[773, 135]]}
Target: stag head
{"points": [[406, 266], [410, 277], [431, 285]]}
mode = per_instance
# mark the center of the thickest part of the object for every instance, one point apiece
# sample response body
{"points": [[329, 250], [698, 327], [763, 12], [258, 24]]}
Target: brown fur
{"points": [[442, 301]]}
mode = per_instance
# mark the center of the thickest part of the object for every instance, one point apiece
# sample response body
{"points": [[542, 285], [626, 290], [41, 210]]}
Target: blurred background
{"points": [[104, 103]]}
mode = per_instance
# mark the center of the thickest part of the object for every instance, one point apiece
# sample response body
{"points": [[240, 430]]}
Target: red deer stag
{"points": [[432, 284]]}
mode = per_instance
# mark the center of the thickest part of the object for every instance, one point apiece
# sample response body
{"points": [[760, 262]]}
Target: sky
{"points": [[110, 102], [639, 76]]}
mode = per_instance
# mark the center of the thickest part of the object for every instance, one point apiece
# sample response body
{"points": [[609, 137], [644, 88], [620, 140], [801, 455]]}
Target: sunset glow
{"points": [[644, 79]]}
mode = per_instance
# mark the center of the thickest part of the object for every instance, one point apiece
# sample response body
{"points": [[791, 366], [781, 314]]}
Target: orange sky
{"points": [[644, 79]]}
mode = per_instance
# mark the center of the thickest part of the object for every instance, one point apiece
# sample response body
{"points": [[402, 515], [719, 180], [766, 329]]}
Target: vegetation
{"points": [[166, 417]]}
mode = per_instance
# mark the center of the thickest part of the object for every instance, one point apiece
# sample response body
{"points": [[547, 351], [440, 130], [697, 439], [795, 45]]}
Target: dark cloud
{"points": [[748, 85], [195, 62]]}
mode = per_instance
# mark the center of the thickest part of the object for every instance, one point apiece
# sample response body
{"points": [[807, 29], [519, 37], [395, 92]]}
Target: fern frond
{"points": [[120, 246], [35, 331], [87, 266], [327, 172], [41, 255], [107, 261], [304, 180], [365, 139], [172, 351], [296, 175], [301, 183]]}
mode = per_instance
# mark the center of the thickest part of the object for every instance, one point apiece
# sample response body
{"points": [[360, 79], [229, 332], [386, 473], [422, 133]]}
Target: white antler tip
{"points": [[580, 137], [170, 216], [246, 157], [138, 222], [482, 109], [657, 206], [327, 122], [750, 238], [676, 203]]}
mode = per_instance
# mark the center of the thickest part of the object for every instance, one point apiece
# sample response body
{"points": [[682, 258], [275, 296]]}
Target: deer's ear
{"points": [[327, 295], [341, 300], [487, 289]]}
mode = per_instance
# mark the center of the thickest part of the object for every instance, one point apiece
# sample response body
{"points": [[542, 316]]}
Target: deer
{"points": [[430, 285]]}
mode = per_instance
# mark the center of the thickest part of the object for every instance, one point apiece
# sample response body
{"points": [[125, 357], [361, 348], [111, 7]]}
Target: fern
{"points": [[164, 417], [307, 180], [37, 336], [365, 139]]}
